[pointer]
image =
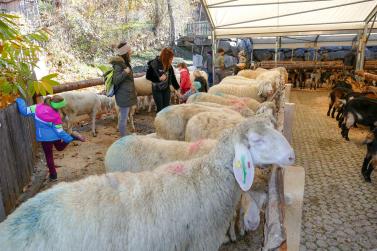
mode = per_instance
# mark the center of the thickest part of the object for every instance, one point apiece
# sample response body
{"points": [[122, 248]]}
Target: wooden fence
{"points": [[17, 156], [336, 65]]}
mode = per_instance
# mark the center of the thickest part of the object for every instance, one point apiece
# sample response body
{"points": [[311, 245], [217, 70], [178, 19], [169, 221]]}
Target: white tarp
{"points": [[238, 18]]}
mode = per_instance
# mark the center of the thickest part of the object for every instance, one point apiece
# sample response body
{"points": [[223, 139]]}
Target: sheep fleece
{"points": [[139, 153], [128, 211]]}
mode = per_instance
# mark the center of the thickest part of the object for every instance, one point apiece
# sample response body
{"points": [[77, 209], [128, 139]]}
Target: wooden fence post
{"points": [[289, 111], [287, 91]]}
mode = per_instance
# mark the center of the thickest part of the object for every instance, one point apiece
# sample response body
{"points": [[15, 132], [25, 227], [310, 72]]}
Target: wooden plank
{"points": [[21, 145], [17, 155], [287, 92], [9, 182], [274, 230], [2, 209], [294, 185], [289, 110]]}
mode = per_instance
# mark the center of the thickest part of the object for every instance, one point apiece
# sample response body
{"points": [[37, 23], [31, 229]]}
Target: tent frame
{"points": [[362, 37]]}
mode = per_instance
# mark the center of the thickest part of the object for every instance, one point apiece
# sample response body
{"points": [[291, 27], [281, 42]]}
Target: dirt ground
{"points": [[81, 159]]}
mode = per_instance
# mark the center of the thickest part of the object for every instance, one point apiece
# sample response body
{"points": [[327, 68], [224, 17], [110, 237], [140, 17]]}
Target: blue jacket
{"points": [[45, 131]]}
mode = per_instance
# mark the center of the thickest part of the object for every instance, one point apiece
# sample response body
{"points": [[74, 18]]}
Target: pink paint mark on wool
{"points": [[176, 168], [194, 147], [238, 103]]}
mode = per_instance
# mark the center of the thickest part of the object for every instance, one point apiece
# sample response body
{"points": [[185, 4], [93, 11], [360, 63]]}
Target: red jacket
{"points": [[185, 83]]}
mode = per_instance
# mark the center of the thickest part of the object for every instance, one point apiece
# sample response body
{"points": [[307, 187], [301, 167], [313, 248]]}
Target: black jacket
{"points": [[155, 66], [125, 95]]}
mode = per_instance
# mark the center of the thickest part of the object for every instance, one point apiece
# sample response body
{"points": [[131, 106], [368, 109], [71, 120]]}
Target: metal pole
{"points": [[276, 51], [213, 55]]}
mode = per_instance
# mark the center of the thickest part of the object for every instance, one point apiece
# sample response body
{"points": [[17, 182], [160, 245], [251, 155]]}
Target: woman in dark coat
{"points": [[160, 70], [124, 87]]}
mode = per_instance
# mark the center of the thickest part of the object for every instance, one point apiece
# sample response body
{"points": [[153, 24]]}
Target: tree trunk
{"points": [[172, 26], [156, 17]]}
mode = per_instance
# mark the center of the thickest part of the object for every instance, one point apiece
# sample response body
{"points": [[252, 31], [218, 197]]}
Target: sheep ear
{"points": [[243, 167]]}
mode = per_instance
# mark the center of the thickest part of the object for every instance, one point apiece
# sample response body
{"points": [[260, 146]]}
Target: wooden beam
{"points": [[69, 86], [77, 85]]}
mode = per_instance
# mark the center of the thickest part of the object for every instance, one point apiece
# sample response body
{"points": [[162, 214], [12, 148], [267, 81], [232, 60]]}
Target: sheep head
{"points": [[265, 88], [258, 144]]}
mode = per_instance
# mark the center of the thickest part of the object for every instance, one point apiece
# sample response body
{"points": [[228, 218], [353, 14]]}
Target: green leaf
{"points": [[47, 87], [21, 90], [52, 82], [31, 89], [104, 68], [6, 87], [36, 87], [50, 76], [42, 90]]}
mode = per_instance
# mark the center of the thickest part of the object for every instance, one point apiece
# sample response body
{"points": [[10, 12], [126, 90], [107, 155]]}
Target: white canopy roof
{"points": [[250, 18]]}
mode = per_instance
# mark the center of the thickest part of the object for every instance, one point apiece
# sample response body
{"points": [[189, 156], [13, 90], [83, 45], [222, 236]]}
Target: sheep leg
{"points": [[232, 231], [94, 113], [70, 122], [131, 117], [149, 99], [241, 224]]}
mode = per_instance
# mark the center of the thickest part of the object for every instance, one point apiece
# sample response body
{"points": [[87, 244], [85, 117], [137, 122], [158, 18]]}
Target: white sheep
{"points": [[143, 86], [252, 74], [223, 99], [145, 102], [143, 89], [197, 73], [238, 80], [210, 125], [128, 153], [82, 103], [258, 92], [170, 122], [241, 108], [273, 76], [178, 206]]}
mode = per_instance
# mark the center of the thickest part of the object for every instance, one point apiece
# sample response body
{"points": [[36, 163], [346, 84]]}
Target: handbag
{"points": [[163, 85]]}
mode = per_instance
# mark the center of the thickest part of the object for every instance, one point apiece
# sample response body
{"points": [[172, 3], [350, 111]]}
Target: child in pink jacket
{"points": [[185, 83]]}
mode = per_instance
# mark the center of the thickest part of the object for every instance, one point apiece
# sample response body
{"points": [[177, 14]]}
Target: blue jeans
{"points": [[122, 123], [210, 79]]}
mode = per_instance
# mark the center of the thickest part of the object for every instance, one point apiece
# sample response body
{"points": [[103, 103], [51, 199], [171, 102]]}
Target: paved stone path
{"points": [[340, 209]]}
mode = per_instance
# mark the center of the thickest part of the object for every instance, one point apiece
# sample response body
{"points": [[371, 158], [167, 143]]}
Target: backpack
{"points": [[109, 86]]}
